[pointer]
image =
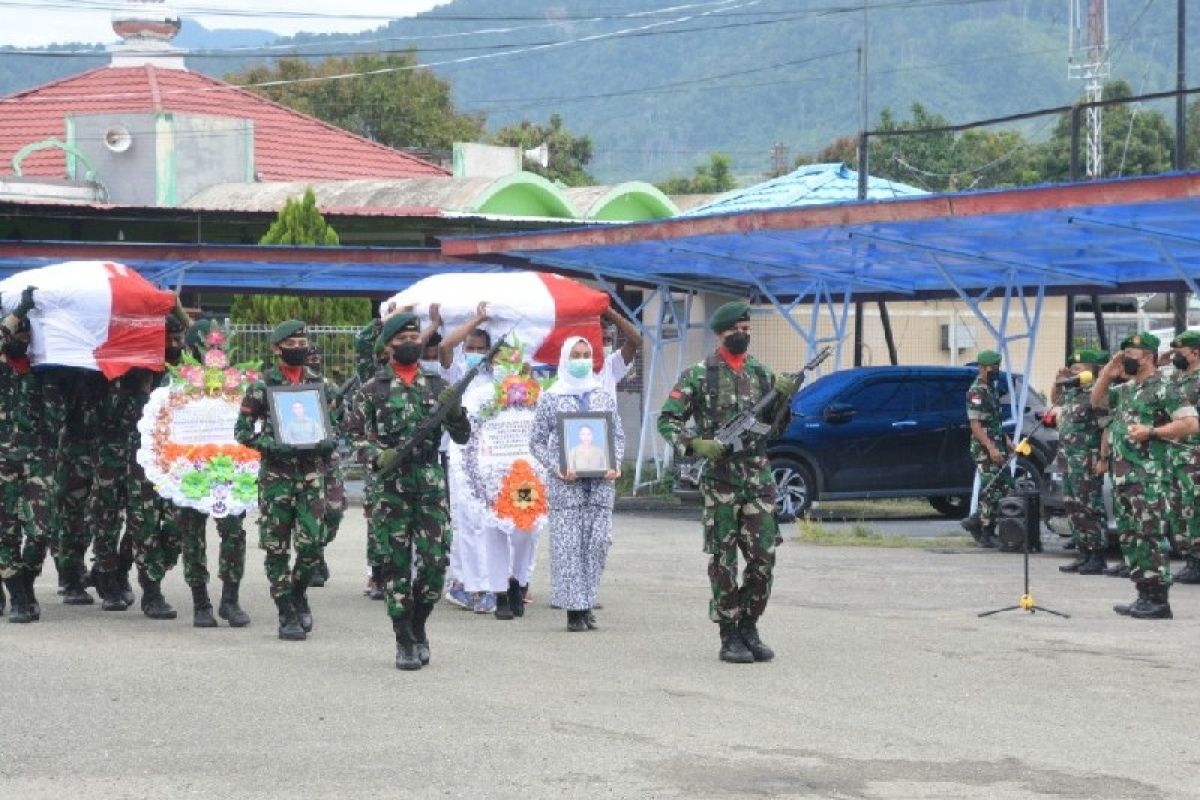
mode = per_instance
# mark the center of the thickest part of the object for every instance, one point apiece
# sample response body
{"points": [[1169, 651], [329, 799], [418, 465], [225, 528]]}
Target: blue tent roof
{"points": [[810, 185]]}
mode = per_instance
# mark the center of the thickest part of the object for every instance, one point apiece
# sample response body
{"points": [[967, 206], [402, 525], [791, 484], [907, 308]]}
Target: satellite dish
{"points": [[539, 155], [117, 138]]}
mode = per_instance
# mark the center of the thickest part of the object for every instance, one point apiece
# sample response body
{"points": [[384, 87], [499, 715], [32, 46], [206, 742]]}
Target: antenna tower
{"points": [[1087, 60]]}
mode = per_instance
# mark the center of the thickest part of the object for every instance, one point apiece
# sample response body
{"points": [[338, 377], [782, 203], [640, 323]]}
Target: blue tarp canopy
{"points": [[1100, 237]]}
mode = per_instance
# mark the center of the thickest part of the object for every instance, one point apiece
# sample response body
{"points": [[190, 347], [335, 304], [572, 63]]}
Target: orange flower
{"points": [[522, 497]]}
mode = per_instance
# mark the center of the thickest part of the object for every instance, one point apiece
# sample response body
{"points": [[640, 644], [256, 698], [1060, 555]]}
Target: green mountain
{"points": [[659, 91]]}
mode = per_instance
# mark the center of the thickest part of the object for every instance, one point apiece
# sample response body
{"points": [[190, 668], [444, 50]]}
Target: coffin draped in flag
{"points": [[93, 314], [542, 310]]}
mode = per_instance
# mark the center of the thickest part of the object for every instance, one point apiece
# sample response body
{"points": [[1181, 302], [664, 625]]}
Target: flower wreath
{"points": [[218, 477]]}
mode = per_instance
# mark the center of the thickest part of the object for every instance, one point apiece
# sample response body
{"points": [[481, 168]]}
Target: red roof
{"points": [[288, 145]]}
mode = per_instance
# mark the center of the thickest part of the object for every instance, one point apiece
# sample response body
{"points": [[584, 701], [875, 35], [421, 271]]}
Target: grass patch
{"points": [[859, 535]]}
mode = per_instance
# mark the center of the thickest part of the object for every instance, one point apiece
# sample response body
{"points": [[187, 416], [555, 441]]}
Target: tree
{"points": [[712, 178], [300, 223], [400, 107], [569, 155]]}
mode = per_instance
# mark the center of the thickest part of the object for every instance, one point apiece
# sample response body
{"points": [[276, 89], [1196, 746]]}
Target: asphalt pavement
{"points": [[887, 685]]}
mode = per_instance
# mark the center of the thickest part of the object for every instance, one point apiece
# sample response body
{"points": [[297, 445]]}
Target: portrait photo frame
{"points": [[303, 429], [588, 455]]}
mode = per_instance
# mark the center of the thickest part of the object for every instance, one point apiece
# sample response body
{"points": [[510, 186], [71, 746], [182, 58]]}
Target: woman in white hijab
{"points": [[580, 509]]}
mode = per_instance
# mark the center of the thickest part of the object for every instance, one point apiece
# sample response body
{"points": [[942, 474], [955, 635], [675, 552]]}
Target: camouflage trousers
{"points": [[370, 503], [73, 483], [107, 502], [26, 514], [1140, 504], [291, 507], [150, 519], [1181, 510], [1083, 496], [335, 499], [191, 527], [412, 541], [733, 523], [995, 483], [12, 476]]}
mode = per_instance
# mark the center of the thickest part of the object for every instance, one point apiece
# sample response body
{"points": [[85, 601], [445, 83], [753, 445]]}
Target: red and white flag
{"points": [[545, 309], [93, 314]]}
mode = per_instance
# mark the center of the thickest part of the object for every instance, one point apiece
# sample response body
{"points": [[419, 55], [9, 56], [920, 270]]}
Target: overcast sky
{"points": [[29, 23]]}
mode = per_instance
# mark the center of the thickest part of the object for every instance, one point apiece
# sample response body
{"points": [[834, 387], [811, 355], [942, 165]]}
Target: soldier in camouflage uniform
{"points": [[1079, 432], [990, 448], [1145, 411], [738, 490], [290, 483], [1185, 459], [191, 529], [30, 421], [412, 519], [369, 359]]}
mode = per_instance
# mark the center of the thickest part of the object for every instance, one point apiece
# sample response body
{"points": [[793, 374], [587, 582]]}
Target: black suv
{"points": [[881, 432]]}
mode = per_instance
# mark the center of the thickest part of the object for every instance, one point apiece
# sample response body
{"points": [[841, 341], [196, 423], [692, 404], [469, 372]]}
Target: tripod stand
{"points": [[1025, 602]]}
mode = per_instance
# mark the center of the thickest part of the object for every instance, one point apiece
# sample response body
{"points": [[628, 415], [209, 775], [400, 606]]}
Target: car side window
{"points": [[886, 397], [947, 396]]}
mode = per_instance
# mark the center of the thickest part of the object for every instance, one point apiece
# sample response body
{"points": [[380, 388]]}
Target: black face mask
{"points": [[407, 353], [173, 354], [1131, 365], [16, 349], [737, 343], [1179, 361], [293, 356]]}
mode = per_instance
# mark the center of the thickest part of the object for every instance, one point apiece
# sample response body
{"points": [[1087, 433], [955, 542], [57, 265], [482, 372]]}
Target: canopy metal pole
{"points": [[648, 386]]}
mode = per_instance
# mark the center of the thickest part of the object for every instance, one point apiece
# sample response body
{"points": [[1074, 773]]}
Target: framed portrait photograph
{"points": [[299, 415], [585, 443]]}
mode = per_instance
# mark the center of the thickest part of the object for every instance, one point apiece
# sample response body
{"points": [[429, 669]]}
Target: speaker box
{"points": [[1019, 523]]}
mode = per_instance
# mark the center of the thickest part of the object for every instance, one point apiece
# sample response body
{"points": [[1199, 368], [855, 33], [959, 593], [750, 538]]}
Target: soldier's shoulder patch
{"points": [[676, 394], [975, 399]]}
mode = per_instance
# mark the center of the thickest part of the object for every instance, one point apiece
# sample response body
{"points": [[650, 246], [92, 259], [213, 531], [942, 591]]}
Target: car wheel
{"points": [[796, 488], [953, 506]]}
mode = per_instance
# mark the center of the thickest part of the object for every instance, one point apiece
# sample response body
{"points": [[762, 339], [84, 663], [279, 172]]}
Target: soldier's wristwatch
{"points": [[1152, 434]]}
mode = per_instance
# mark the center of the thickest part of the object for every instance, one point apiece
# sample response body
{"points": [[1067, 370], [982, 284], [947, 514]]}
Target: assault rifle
{"points": [[733, 434], [433, 423]]}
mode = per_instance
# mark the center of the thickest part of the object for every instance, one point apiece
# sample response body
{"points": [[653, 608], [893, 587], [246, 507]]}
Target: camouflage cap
{"points": [[1187, 339], [1091, 357], [1143, 341], [988, 358], [729, 315], [286, 330], [397, 323]]}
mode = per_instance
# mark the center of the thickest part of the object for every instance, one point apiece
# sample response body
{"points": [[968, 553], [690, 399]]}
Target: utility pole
{"points": [[779, 159], [864, 86], [1180, 85], [1087, 60]]}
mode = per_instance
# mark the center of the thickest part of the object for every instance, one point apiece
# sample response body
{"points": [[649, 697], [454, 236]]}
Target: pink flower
{"points": [[215, 359], [194, 376], [215, 338], [251, 375], [233, 378]]}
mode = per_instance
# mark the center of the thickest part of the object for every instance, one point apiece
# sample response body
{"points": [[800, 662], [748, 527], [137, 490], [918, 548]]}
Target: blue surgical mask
{"points": [[579, 367], [473, 359]]}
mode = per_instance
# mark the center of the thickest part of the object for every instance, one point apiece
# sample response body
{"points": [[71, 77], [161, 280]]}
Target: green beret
{"points": [[1092, 357], [1187, 339], [1143, 341], [286, 330], [988, 358], [1126, 342], [397, 323], [198, 332], [729, 315]]}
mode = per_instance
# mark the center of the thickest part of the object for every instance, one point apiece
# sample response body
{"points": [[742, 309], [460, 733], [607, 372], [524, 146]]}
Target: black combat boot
{"points": [[576, 621], [126, 590], [503, 609], [289, 623], [406, 644], [987, 538], [154, 605], [108, 585], [1125, 572], [748, 627], [316, 579], [1095, 564], [35, 608], [303, 612], [18, 610], [229, 609], [73, 592], [421, 612], [733, 649], [1143, 599], [973, 525], [1157, 606], [376, 592], [589, 619], [1080, 559], [516, 597], [202, 616], [1190, 573]]}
